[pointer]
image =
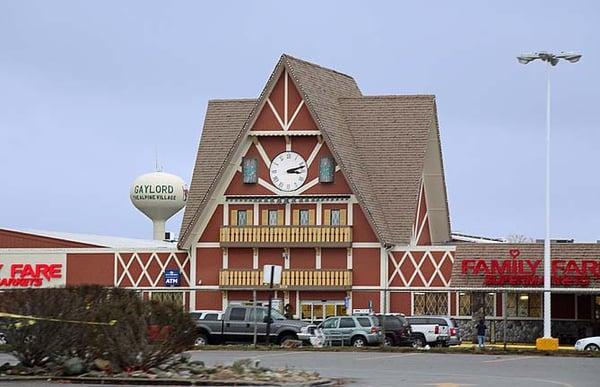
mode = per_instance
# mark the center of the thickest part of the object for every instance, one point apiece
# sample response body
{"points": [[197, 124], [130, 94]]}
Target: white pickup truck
{"points": [[430, 330]]}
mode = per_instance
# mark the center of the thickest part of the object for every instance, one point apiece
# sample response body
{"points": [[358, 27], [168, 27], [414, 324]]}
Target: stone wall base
{"points": [[526, 331]]}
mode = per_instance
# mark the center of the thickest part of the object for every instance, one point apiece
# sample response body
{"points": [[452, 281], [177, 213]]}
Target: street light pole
{"points": [[552, 60], [547, 247]]}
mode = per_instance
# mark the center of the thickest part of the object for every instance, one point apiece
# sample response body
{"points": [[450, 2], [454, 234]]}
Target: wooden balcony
{"points": [[290, 279], [286, 236]]}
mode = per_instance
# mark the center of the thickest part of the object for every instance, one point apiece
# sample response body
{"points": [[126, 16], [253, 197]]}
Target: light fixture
{"points": [[523, 297]]}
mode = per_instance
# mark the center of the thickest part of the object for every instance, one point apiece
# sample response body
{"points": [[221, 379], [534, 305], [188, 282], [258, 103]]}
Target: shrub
{"points": [[67, 329]]}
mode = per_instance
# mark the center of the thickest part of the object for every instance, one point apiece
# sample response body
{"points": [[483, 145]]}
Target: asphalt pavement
{"points": [[419, 368]]}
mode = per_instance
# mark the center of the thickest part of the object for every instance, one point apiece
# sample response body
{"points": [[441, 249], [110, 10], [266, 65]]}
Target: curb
{"points": [[156, 382]]}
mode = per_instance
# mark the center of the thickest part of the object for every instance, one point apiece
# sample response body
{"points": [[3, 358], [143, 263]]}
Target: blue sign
{"points": [[172, 277]]}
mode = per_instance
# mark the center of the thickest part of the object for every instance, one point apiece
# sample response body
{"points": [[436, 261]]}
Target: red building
{"points": [[346, 192]]}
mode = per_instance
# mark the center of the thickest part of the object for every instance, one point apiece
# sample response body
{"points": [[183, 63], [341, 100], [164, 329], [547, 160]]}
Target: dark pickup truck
{"points": [[237, 325]]}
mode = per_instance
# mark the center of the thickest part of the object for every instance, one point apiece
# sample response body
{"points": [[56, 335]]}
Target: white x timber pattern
{"points": [[417, 264], [125, 264], [419, 225]]}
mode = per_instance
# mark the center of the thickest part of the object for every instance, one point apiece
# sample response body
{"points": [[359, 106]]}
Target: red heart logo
{"points": [[514, 253]]}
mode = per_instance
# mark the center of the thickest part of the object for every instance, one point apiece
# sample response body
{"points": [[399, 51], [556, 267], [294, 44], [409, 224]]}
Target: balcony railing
{"points": [[286, 236], [290, 279]]}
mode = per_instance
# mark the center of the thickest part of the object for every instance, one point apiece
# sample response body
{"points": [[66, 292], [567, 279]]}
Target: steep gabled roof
{"points": [[222, 125], [391, 135], [380, 144]]}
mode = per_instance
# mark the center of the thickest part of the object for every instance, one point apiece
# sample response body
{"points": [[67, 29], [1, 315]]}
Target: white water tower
{"points": [[159, 196]]}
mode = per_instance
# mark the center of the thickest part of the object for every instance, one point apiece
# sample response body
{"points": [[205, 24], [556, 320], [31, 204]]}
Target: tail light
{"points": [[437, 329], [452, 331], [374, 329]]}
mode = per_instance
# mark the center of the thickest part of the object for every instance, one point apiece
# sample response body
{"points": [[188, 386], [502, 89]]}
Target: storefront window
{"points": [[465, 304], [430, 303], [524, 305], [316, 311], [490, 304]]}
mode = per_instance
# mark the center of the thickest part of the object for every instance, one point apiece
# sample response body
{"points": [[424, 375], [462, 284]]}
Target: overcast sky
{"points": [[89, 89]]}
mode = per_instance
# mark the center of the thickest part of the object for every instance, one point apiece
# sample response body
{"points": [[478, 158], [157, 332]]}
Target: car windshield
{"points": [[276, 315]]}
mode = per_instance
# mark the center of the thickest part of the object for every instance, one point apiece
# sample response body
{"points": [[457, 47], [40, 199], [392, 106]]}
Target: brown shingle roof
{"points": [[222, 125], [379, 143], [391, 135]]}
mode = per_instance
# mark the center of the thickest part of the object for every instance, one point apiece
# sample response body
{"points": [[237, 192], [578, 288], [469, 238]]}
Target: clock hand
{"points": [[295, 170]]}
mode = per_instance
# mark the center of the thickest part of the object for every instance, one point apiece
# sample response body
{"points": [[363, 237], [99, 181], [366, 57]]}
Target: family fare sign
{"points": [[519, 271], [32, 270]]}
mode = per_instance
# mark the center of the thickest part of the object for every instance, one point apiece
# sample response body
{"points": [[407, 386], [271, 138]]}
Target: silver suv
{"points": [[358, 331]]}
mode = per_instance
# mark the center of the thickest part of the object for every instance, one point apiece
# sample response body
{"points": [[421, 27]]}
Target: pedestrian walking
{"points": [[480, 327]]}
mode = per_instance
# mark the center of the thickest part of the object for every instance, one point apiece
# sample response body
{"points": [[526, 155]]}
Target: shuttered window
{"points": [[241, 217], [335, 217]]}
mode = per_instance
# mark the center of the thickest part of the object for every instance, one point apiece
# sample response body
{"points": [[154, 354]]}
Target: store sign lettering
{"points": [[515, 271], [29, 275]]}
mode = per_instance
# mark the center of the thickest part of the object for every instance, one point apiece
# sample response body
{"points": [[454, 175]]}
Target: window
{"points": [[211, 316], [249, 170], [326, 169], [260, 314], [272, 217], [347, 322], [319, 310], [330, 323], [335, 217], [364, 322], [430, 303], [242, 218], [465, 304], [524, 305], [304, 218], [237, 314]]}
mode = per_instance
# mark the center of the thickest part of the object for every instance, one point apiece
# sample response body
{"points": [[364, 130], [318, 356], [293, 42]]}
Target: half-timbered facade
{"points": [[345, 191]]}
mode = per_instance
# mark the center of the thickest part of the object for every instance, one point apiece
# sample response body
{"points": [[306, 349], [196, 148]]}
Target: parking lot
{"points": [[418, 368], [427, 369]]}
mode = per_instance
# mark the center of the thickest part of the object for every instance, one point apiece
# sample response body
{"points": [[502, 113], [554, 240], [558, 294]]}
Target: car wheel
{"points": [[592, 347], [201, 340], [419, 341], [388, 342], [359, 342], [286, 337]]}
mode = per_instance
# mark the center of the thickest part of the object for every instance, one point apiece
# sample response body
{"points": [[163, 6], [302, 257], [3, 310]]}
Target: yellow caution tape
{"points": [[33, 319]]}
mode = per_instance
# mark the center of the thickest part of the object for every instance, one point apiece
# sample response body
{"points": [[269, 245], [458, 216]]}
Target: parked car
{"points": [[211, 315], [454, 335], [358, 331], [237, 325], [588, 344], [431, 330], [397, 330]]}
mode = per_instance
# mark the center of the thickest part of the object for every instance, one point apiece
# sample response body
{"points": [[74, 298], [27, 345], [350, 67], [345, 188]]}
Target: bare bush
{"points": [[67, 328]]}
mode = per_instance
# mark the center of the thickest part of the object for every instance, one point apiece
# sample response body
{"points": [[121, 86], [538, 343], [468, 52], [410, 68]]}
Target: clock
{"points": [[288, 171]]}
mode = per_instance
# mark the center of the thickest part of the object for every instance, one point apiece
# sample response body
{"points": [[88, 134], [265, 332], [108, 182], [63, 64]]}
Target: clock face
{"points": [[288, 171]]}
